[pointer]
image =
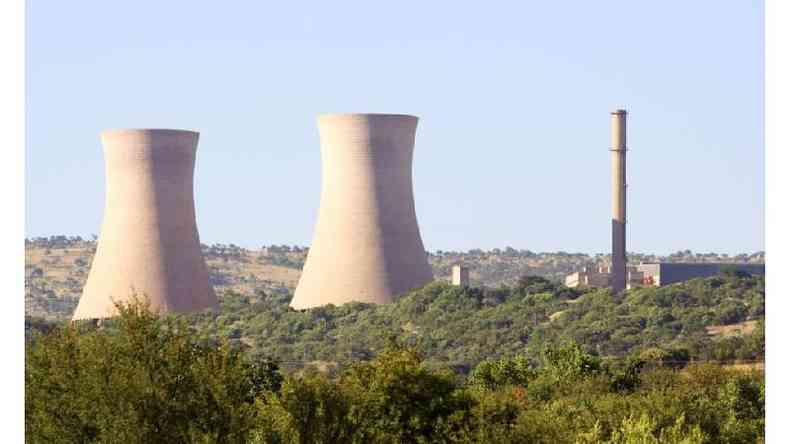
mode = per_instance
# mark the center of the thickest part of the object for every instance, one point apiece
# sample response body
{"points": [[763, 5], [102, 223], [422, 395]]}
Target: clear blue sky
{"points": [[513, 99]]}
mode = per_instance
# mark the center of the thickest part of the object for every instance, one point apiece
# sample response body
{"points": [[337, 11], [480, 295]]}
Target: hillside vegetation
{"points": [[146, 379], [718, 318], [459, 327]]}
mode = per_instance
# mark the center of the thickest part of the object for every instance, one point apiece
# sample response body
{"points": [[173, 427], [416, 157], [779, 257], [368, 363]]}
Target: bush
{"points": [[644, 430], [310, 409], [492, 374], [666, 357], [398, 399], [141, 379], [568, 362]]}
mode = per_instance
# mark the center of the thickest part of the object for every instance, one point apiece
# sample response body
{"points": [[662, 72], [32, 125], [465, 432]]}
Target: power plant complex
{"points": [[615, 276], [619, 275], [367, 245], [657, 274], [148, 245]]}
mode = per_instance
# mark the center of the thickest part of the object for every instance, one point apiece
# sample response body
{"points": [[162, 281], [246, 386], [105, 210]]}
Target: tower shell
{"points": [[149, 244], [367, 244], [618, 200]]}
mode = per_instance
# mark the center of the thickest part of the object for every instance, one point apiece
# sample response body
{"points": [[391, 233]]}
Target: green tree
{"points": [[140, 379], [493, 374], [399, 400]]}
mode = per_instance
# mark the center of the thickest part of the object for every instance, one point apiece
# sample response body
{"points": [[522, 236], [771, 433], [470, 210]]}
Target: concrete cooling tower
{"points": [[149, 241], [367, 244]]}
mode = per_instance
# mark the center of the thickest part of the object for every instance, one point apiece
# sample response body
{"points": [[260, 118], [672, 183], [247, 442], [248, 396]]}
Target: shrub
{"points": [[568, 362], [141, 379], [307, 410], [492, 374]]}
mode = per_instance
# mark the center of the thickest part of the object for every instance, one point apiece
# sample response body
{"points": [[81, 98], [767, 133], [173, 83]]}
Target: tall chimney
{"points": [[149, 242], [367, 245], [618, 200]]}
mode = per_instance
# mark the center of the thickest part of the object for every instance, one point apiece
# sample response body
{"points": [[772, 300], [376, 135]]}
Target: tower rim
{"points": [[142, 131], [366, 115]]}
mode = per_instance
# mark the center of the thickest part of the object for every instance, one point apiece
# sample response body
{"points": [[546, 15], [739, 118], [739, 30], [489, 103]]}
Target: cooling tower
{"points": [[149, 241], [618, 200], [367, 244]]}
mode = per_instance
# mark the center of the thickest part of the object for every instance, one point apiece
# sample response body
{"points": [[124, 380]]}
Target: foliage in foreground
{"points": [[143, 379]]}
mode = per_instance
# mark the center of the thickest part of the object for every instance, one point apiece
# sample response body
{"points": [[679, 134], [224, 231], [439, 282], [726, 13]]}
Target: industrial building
{"points": [[657, 274], [620, 275], [367, 245], [589, 276], [665, 273], [601, 276], [148, 245]]}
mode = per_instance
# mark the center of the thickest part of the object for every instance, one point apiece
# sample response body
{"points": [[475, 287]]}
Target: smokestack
{"points": [[618, 200], [149, 241], [367, 244]]}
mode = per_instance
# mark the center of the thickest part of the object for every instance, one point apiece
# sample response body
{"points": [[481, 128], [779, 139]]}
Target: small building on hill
{"points": [[589, 276], [460, 276]]}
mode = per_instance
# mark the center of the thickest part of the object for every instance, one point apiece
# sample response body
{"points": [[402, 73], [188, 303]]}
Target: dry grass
{"points": [[287, 276], [747, 366], [263, 273], [724, 331], [554, 316], [323, 366], [409, 327]]}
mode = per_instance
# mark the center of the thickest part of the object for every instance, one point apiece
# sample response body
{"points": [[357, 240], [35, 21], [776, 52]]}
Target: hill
{"points": [[460, 327], [56, 268]]}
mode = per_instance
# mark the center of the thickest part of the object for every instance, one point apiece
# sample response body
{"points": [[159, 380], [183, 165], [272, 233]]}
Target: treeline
{"points": [[58, 241], [633, 257], [144, 379], [231, 250]]}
